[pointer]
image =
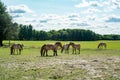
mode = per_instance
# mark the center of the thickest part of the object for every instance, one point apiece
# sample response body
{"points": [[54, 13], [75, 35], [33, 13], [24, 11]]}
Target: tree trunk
{"points": [[1, 44]]}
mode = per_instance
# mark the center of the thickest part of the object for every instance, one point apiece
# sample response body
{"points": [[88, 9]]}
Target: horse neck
{"points": [[100, 45], [56, 45], [72, 44]]}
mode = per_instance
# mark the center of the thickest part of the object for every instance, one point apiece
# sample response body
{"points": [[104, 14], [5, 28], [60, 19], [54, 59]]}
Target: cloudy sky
{"points": [[100, 16]]}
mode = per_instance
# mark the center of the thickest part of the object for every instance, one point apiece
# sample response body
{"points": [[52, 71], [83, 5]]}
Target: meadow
{"points": [[90, 64]]}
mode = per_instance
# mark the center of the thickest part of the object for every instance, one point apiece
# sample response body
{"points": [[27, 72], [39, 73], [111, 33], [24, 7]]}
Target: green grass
{"points": [[30, 66], [84, 44]]}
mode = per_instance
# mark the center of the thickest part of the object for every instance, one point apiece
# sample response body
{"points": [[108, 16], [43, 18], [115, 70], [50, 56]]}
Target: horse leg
{"points": [[13, 51], [75, 50], [79, 50], [56, 53], [62, 50], [19, 51], [46, 52], [53, 53]]}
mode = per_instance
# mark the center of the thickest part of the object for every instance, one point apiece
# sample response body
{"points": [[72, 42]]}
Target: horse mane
{"points": [[42, 48]]}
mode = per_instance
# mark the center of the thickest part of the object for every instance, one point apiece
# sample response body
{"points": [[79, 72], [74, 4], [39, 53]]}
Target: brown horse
{"points": [[46, 47], [102, 44], [66, 48], [75, 46], [17, 48]]}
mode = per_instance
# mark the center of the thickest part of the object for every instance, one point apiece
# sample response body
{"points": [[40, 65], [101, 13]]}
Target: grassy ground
{"points": [[91, 64]]}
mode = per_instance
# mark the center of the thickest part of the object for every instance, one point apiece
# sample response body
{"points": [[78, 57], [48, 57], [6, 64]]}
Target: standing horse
{"points": [[46, 47], [102, 44], [17, 48], [66, 48], [75, 46]]}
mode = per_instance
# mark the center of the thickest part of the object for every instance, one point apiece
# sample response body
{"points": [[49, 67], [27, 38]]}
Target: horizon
{"points": [[99, 16]]}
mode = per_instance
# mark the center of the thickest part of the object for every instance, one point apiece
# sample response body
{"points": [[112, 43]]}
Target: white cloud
{"points": [[56, 22], [106, 5], [113, 19], [88, 4], [91, 11], [19, 9], [115, 3]]}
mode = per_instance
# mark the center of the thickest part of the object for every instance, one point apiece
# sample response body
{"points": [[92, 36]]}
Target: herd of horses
{"points": [[54, 47]]}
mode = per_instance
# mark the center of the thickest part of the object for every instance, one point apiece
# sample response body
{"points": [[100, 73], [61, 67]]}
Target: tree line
{"points": [[26, 32]]}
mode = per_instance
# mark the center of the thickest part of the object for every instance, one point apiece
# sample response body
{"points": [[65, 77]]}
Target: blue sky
{"points": [[100, 16]]}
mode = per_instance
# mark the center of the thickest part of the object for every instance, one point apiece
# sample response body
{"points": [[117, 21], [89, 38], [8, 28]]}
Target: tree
{"points": [[12, 35], [30, 32], [5, 23]]}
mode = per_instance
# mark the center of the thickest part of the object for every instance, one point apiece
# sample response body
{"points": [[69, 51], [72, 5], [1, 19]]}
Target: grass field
{"points": [[90, 64]]}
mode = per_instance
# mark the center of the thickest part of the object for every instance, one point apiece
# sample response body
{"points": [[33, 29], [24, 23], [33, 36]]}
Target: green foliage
{"points": [[111, 37]]}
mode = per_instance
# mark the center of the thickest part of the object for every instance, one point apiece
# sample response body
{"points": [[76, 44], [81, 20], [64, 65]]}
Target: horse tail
{"points": [[98, 46], [42, 49], [11, 50]]}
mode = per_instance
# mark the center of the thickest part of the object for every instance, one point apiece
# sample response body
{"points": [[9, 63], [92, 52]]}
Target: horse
{"points": [[54, 47], [101, 45], [66, 48], [75, 46], [17, 47]]}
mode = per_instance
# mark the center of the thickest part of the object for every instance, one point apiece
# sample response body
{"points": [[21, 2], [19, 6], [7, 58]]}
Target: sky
{"points": [[100, 16]]}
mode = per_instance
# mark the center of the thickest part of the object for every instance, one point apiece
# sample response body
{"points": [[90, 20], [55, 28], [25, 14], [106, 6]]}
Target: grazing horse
{"points": [[46, 47], [66, 48], [75, 46], [17, 48], [102, 44]]}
